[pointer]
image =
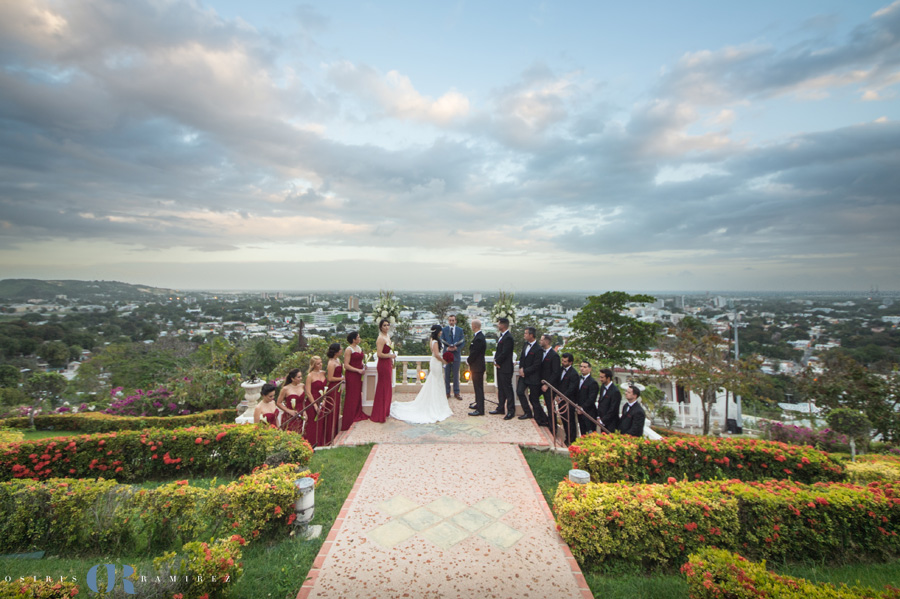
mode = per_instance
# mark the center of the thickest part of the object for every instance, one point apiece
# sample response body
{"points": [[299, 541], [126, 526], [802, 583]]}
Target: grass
{"points": [[32, 435], [630, 582], [274, 570]]}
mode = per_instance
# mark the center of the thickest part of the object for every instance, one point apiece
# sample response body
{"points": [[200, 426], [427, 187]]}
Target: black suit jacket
{"points": [[608, 407], [568, 384], [632, 421], [550, 367], [503, 356], [476, 353], [587, 395], [531, 363]]}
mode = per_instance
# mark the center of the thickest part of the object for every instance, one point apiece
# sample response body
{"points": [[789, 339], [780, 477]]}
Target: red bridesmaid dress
{"points": [[333, 404], [353, 411], [381, 406], [315, 428], [293, 402]]}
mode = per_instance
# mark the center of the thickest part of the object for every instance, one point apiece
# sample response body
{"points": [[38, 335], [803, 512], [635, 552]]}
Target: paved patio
{"points": [[445, 510]]}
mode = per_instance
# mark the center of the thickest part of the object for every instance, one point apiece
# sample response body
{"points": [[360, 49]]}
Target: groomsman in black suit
{"points": [[530, 376], [587, 398], [608, 404], [477, 368], [568, 386], [549, 372], [503, 362], [633, 416]]}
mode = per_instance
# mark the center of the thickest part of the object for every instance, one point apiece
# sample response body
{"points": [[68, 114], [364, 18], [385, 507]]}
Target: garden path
{"points": [[445, 510]]}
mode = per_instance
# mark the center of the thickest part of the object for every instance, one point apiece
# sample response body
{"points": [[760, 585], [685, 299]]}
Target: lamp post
{"points": [[304, 507]]}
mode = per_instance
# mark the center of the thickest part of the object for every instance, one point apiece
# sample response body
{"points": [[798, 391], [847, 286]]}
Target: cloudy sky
{"points": [[455, 145]]}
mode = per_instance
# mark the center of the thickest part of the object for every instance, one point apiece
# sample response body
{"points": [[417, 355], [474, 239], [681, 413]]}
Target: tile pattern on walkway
{"points": [[459, 428], [463, 520]]}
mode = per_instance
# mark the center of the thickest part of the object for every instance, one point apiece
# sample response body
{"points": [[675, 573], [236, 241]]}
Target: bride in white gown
{"points": [[430, 405]]}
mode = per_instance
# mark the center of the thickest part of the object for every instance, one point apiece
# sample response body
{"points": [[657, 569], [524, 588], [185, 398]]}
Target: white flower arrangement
{"points": [[504, 308], [387, 307]]}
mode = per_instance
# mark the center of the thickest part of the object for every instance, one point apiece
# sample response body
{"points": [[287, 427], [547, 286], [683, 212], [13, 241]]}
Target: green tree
{"points": [[441, 308], [259, 357], [43, 386], [852, 423], [10, 377], [55, 352], [603, 330]]}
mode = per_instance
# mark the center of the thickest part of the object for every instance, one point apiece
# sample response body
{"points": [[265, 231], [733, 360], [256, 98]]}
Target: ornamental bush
{"points": [[827, 439], [613, 458], [29, 588], [204, 569], [98, 422], [153, 454], [10, 436], [101, 516], [660, 525], [869, 468], [716, 574]]}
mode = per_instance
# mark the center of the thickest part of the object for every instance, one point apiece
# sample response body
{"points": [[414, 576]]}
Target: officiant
{"points": [[453, 339]]}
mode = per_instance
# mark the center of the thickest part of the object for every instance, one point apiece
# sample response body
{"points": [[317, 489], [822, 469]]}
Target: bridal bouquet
{"points": [[387, 307], [504, 308], [449, 357]]}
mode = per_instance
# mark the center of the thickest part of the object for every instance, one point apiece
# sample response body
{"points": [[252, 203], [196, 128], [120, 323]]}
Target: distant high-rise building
{"points": [[353, 303], [279, 295], [679, 301], [457, 296], [264, 295], [476, 297]]}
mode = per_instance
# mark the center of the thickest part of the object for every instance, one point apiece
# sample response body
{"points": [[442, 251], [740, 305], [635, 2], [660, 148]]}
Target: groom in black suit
{"points": [[477, 367], [503, 362]]}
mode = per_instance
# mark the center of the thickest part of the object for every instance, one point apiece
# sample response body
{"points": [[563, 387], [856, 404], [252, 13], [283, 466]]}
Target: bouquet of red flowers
{"points": [[449, 357]]}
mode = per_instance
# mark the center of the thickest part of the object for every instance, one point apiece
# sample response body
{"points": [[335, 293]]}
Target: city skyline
{"points": [[680, 148]]}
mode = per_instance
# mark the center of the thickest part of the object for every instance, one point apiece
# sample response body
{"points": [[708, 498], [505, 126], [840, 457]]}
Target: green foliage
{"points": [[209, 570], [98, 422], [659, 525], [43, 386], [666, 414], [852, 423], [132, 365], [153, 453], [29, 588], [8, 435], [200, 389], [89, 517], [717, 574], [12, 397], [604, 331], [9, 376], [844, 383], [260, 357], [611, 458], [300, 359]]}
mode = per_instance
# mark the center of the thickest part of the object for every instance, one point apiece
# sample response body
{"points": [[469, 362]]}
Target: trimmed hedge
{"points": [[8, 435], [97, 422], [659, 525], [29, 588], [203, 569], [614, 458], [719, 574], [869, 468], [153, 454], [101, 516]]}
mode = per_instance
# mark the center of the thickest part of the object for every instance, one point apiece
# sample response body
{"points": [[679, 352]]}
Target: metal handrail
{"points": [[565, 407], [319, 414]]}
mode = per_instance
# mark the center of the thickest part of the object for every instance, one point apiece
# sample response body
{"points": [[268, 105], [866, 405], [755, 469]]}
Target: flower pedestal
{"points": [[251, 396]]}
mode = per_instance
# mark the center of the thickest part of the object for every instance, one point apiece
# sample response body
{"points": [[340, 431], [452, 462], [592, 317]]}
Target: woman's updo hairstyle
{"points": [[436, 331]]}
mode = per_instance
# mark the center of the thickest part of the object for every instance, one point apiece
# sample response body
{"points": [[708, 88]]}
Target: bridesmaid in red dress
{"points": [[334, 377], [266, 410], [315, 387], [354, 367], [381, 407], [291, 400]]}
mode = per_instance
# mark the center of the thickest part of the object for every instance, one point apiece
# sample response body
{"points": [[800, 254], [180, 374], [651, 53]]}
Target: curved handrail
{"points": [[565, 407]]}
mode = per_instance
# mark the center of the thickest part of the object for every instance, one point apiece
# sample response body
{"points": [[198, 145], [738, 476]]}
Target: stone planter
{"points": [[251, 396]]}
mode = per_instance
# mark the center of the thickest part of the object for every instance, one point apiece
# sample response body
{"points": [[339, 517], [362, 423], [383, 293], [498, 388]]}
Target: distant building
{"points": [[264, 295], [353, 303], [457, 297], [476, 297]]}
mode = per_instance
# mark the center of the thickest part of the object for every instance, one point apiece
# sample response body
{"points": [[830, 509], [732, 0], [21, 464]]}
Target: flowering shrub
{"points": [[204, 569], [611, 458], [141, 403], [869, 468], [204, 389], [716, 573], [152, 453], [102, 516], [826, 439], [662, 524], [41, 589], [96, 422], [10, 436]]}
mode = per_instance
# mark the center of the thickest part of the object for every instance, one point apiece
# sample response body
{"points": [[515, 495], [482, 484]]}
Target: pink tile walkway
{"points": [[446, 519]]}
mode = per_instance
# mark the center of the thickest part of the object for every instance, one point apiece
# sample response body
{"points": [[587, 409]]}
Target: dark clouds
{"points": [[162, 125]]}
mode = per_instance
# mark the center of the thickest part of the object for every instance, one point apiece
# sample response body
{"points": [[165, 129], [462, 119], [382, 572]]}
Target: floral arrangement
{"points": [[613, 458], [662, 524], [716, 573], [387, 307], [504, 308], [152, 453]]}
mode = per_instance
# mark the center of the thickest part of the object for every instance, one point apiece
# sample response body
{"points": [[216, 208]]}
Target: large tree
{"points": [[604, 330], [701, 361], [43, 386]]}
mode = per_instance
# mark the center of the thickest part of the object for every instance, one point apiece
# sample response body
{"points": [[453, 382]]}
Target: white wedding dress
{"points": [[430, 405]]}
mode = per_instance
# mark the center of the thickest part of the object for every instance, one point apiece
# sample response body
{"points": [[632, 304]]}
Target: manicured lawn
{"points": [[31, 435], [631, 583], [270, 570]]}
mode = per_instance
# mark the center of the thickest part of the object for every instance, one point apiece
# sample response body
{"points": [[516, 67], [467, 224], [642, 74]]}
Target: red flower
{"points": [[220, 436], [277, 510], [671, 480], [198, 440]]}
